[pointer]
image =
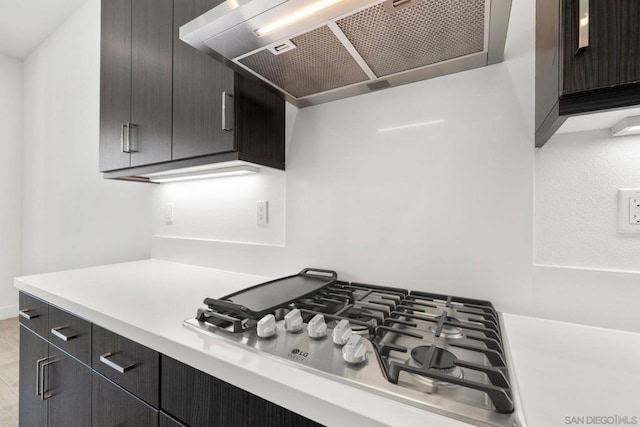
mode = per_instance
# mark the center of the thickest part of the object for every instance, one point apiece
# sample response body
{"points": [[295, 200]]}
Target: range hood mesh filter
{"points": [[429, 32], [318, 63]]}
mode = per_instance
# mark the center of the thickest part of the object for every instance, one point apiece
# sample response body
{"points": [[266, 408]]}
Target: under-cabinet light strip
{"points": [[204, 174]]}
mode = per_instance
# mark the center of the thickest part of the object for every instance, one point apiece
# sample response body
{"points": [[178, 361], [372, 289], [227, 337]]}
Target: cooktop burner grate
{"points": [[419, 344]]}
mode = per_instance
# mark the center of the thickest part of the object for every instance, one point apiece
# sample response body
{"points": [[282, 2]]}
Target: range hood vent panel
{"points": [[415, 36], [318, 63], [352, 47]]}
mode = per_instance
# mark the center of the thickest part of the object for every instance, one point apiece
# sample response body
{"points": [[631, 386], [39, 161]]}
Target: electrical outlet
{"points": [[262, 212], [634, 210], [168, 213], [629, 210]]}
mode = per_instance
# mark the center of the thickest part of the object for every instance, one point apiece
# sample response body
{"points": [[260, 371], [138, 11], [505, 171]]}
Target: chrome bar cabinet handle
{"points": [[25, 313], [122, 132], [583, 26], [227, 124], [129, 127], [64, 337], [44, 395], [125, 138], [39, 375], [105, 358]]}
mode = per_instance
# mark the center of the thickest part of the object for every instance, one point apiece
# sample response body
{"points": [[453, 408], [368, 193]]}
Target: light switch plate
{"points": [[628, 210]]}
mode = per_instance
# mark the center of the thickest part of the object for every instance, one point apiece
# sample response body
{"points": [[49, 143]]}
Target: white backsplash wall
{"points": [[72, 217], [577, 180], [10, 182], [443, 202], [583, 265], [223, 209]]}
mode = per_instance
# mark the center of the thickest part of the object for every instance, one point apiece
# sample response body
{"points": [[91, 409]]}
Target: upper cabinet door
{"points": [[115, 83], [577, 74], [200, 86], [613, 55], [151, 69], [165, 105]]}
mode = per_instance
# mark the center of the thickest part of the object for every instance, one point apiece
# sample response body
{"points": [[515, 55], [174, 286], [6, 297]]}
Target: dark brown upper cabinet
{"points": [[200, 86], [577, 78], [135, 86], [172, 106]]}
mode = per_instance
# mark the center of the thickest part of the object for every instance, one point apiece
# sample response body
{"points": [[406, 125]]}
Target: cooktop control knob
{"points": [[342, 332], [317, 328], [293, 321], [354, 350], [267, 326]]}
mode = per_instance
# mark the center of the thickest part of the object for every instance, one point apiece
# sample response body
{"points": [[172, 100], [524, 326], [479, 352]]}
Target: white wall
{"points": [[223, 209], [72, 217], [449, 206], [10, 182], [577, 180], [446, 206], [586, 271]]}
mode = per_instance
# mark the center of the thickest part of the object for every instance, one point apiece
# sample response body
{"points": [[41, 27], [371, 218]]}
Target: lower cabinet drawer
{"points": [[114, 406], [70, 333], [200, 400], [132, 366], [34, 314]]}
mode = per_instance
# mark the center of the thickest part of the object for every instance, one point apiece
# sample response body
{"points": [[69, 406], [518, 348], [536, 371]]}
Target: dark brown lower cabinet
{"points": [[132, 366], [124, 385], [167, 421], [34, 314], [68, 389], [200, 400], [33, 350], [55, 388], [114, 406]]}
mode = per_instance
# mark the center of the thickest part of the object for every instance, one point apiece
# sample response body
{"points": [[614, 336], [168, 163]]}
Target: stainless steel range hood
{"points": [[315, 51]]}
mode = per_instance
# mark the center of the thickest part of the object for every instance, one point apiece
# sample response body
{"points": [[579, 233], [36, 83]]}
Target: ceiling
{"points": [[24, 24]]}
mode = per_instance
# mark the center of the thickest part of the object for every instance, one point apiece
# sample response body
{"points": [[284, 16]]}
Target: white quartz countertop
{"points": [[567, 374], [146, 301], [572, 374]]}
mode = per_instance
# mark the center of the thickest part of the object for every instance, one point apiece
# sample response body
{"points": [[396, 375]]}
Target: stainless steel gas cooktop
{"points": [[444, 354]]}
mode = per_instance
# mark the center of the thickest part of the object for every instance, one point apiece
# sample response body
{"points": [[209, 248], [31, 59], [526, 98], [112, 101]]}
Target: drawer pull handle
{"points": [[25, 313], [64, 337], [105, 358]]}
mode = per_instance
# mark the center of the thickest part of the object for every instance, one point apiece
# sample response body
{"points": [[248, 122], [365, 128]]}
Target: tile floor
{"points": [[9, 357]]}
